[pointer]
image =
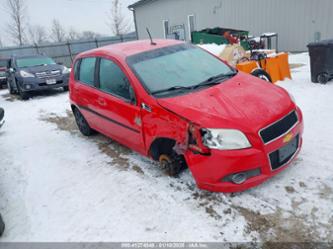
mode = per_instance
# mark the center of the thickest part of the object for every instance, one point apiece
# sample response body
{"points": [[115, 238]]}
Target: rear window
{"points": [[34, 61], [87, 71]]}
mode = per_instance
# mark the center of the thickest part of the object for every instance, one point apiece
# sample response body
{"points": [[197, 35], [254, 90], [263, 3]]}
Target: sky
{"points": [[82, 15]]}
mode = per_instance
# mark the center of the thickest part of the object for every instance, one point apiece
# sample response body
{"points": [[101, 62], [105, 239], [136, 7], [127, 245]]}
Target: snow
{"points": [[56, 185], [213, 48]]}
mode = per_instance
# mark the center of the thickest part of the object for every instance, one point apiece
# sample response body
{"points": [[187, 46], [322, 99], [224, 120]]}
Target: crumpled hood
{"points": [[243, 102]]}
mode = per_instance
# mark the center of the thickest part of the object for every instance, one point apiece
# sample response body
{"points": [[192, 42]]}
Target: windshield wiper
{"points": [[171, 89], [216, 80]]}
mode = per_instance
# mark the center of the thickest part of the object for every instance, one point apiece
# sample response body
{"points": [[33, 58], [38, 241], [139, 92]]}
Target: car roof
{"points": [[127, 49]]}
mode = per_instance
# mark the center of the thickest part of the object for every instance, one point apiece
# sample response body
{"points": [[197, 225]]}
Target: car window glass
{"points": [[34, 61], [113, 80], [181, 65], [87, 71]]}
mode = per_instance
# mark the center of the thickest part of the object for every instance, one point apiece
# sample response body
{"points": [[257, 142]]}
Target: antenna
{"points": [[151, 39]]}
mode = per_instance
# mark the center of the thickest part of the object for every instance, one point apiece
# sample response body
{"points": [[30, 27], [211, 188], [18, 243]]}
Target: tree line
{"points": [[22, 32]]}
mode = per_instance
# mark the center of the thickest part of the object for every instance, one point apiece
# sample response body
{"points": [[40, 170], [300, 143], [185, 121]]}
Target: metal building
{"points": [[297, 22]]}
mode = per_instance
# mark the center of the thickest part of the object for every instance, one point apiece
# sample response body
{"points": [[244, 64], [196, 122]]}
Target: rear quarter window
{"points": [[87, 71]]}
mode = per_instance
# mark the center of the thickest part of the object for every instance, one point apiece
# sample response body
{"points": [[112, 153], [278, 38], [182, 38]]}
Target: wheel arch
{"points": [[161, 145]]}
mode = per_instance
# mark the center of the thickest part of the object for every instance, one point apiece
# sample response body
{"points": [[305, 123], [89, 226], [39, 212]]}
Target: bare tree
{"points": [[89, 35], [58, 33], [118, 23], [37, 34], [17, 15], [73, 34]]}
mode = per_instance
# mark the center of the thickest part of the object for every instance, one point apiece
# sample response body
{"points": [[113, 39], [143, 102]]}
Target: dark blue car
{"points": [[28, 74]]}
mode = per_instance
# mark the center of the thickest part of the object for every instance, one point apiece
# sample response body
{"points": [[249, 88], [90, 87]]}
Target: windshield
{"points": [[176, 67], [34, 61]]}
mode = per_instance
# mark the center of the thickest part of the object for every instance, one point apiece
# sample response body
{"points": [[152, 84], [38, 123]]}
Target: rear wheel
{"points": [[262, 74], [323, 78], [82, 123]]}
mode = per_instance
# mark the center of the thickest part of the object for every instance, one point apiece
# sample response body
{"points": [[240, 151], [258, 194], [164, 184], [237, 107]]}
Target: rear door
{"points": [[117, 105]]}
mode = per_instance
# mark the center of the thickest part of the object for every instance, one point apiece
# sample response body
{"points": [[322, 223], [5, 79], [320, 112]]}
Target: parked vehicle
{"points": [[2, 226], [2, 115], [27, 74], [180, 105], [3, 71]]}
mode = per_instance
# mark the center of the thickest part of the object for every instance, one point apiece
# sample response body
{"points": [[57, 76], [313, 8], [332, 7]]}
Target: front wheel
{"points": [[66, 88], [262, 74], [173, 165], [82, 124], [23, 95]]}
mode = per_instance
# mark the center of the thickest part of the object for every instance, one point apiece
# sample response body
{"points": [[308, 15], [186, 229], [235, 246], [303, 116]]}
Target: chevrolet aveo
{"points": [[184, 107]]}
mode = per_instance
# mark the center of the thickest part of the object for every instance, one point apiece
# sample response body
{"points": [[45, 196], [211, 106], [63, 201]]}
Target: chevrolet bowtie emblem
{"points": [[288, 138]]}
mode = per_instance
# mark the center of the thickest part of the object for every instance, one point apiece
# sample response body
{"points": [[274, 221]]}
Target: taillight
{"points": [[195, 141]]}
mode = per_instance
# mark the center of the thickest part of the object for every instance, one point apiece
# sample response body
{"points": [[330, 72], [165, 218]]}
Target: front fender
{"points": [[161, 123]]}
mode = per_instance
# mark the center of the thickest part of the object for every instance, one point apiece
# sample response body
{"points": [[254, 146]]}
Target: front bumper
{"points": [[211, 171], [37, 84]]}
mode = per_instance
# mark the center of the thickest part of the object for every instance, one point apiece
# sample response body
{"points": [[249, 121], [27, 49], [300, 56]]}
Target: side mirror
{"points": [[60, 63]]}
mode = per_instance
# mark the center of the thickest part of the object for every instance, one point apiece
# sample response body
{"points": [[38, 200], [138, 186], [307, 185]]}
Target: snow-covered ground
{"points": [[56, 185]]}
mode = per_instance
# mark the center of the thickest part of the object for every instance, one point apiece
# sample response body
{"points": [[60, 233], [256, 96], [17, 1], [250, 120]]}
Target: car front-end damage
{"points": [[228, 169]]}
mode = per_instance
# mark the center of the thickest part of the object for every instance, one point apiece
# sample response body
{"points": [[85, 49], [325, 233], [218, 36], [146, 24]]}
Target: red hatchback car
{"points": [[182, 106]]}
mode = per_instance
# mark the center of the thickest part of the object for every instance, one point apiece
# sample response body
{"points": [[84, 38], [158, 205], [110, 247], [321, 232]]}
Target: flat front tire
{"points": [[172, 165], [82, 123]]}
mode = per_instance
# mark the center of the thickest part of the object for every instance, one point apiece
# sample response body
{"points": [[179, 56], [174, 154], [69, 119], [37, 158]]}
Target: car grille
{"points": [[279, 128], [48, 74]]}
